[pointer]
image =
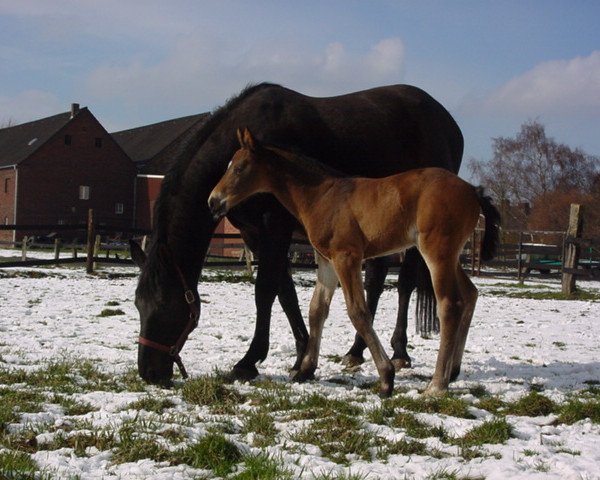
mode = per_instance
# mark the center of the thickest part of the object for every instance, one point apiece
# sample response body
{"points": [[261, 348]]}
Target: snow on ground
{"points": [[513, 344]]}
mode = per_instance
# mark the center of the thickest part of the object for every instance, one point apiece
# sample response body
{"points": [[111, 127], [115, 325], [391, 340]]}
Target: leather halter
{"points": [[191, 324]]}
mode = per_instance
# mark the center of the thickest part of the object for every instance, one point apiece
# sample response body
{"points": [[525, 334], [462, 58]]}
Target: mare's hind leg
{"points": [[376, 270], [319, 310], [469, 296], [348, 268]]}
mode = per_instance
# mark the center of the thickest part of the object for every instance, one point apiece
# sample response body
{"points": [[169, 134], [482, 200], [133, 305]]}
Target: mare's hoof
{"points": [[244, 372], [301, 377], [352, 362], [400, 363]]}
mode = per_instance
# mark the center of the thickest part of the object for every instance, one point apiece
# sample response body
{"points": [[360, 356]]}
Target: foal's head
{"points": [[244, 176]]}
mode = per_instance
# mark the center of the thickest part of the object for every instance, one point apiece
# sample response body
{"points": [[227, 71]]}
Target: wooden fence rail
{"points": [[516, 258]]}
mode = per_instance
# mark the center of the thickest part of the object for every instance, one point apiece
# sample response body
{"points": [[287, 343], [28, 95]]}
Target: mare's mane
{"points": [[157, 269], [185, 154]]}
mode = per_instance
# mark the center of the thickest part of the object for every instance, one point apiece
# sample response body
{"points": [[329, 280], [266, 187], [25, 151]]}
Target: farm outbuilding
{"points": [[54, 169], [153, 149]]}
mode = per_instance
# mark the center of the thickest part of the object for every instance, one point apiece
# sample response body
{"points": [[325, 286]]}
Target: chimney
{"points": [[74, 109]]}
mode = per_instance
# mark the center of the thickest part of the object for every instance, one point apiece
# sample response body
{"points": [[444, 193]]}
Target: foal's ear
{"points": [[246, 139]]}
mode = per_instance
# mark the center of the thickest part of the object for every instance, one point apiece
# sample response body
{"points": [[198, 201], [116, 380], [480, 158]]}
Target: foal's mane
{"points": [[307, 169]]}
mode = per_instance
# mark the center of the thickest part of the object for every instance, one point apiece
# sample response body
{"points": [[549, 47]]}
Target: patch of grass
{"points": [[553, 295], [102, 439], [264, 467], [72, 406], [17, 465], [112, 303], [532, 405], [261, 424], [111, 312], [213, 452], [337, 437], [15, 402], [151, 404], [491, 432], [445, 404], [575, 410], [492, 404], [315, 405], [212, 391]]}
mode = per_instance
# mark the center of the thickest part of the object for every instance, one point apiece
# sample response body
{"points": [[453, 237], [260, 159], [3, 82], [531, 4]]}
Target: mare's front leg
{"points": [[376, 270], [319, 310], [289, 302], [348, 268], [273, 244]]}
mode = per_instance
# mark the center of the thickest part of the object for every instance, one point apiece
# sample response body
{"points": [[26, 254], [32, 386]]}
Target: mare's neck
{"points": [[297, 183]]}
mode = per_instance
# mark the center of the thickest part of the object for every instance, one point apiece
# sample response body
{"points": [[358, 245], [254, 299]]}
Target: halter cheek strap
{"points": [[192, 323]]}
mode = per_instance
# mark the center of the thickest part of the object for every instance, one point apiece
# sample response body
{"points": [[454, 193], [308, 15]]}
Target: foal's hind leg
{"points": [[450, 308], [469, 296], [319, 310], [348, 268]]}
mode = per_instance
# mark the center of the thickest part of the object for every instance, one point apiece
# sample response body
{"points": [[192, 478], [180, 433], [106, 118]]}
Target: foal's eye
{"points": [[237, 169]]}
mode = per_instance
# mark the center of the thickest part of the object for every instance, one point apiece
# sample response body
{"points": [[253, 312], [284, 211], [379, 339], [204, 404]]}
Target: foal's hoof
{"points": [[386, 392], [301, 377], [352, 362], [434, 391], [244, 372], [400, 363]]}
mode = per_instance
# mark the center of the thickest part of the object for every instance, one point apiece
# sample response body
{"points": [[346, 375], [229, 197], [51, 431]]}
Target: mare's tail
{"points": [[491, 237]]}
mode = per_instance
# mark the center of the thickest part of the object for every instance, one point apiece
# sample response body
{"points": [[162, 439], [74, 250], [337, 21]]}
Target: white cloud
{"points": [[29, 105], [204, 70], [556, 87]]}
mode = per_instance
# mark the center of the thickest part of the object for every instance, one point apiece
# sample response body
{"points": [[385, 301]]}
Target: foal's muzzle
{"points": [[217, 205]]}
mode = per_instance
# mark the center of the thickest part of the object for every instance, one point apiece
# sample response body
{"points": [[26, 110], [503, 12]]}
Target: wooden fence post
{"points": [[571, 255], [24, 249], [90, 242], [57, 244], [97, 248]]}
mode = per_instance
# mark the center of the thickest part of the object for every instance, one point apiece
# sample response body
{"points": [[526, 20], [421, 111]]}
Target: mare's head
{"points": [[169, 311], [244, 176]]}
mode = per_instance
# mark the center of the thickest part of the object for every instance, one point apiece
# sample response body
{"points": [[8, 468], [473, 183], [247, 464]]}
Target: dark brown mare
{"points": [[372, 133], [349, 219]]}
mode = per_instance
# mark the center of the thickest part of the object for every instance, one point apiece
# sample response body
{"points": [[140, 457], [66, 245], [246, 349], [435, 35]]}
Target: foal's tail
{"points": [[491, 238]]}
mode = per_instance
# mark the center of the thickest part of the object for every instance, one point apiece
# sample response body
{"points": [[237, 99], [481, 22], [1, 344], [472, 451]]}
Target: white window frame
{"points": [[119, 208], [84, 192]]}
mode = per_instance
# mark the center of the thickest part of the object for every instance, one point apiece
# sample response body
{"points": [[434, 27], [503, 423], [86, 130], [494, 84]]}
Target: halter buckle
{"points": [[189, 297]]}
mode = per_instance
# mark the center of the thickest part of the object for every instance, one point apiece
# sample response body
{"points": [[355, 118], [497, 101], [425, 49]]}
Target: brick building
{"points": [[54, 169], [153, 149]]}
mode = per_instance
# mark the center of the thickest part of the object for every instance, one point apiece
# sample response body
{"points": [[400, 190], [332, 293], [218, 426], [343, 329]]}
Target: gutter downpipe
{"points": [[16, 202]]}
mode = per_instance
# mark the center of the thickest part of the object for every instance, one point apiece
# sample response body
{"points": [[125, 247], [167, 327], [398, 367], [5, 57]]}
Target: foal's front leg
{"points": [[348, 268], [319, 310]]}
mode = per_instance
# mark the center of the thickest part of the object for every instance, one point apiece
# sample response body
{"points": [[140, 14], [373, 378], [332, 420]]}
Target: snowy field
{"points": [[515, 345]]}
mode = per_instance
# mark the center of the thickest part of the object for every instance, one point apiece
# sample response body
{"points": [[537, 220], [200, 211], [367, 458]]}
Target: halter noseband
{"points": [[191, 324]]}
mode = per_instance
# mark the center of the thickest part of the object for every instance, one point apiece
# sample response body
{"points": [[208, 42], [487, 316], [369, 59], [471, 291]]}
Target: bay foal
{"points": [[348, 219]]}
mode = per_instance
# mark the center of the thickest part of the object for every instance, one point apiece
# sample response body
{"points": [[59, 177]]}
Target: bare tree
{"points": [[531, 167]]}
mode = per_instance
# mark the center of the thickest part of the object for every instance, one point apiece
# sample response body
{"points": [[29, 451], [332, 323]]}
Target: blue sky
{"points": [[493, 64]]}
